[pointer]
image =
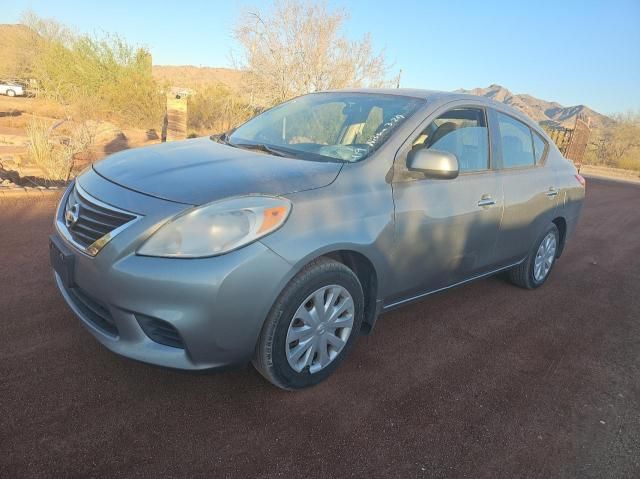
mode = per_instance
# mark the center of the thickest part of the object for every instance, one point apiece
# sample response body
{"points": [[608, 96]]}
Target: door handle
{"points": [[486, 201], [551, 192]]}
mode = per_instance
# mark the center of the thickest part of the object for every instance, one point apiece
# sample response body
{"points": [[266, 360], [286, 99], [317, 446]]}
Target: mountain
{"points": [[542, 111]]}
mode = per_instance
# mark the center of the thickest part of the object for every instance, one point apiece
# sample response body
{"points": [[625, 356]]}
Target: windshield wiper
{"points": [[284, 152], [223, 138], [261, 147]]}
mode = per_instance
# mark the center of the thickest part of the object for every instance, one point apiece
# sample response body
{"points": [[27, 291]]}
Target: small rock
{"points": [[602, 422]]}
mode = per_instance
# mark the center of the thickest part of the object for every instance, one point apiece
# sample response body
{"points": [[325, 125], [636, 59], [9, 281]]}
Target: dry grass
{"points": [[53, 154]]}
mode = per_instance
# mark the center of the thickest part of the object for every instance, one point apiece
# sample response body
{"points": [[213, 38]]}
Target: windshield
{"points": [[329, 126]]}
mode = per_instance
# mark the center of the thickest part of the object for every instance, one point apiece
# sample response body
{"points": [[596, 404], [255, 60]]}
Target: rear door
{"points": [[446, 229], [530, 189]]}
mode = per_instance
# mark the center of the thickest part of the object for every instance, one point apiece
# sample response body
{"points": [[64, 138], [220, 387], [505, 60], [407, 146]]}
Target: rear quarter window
{"points": [[517, 142], [539, 147]]}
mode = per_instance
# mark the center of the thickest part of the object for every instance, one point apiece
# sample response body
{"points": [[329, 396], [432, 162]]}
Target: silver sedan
{"points": [[283, 240]]}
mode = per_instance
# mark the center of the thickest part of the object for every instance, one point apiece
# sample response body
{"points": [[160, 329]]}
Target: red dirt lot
{"points": [[486, 380]]}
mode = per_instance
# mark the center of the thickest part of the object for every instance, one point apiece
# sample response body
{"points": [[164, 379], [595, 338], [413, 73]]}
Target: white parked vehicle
{"points": [[10, 88]]}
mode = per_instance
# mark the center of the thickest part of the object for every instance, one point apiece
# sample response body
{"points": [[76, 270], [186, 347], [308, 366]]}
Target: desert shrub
{"points": [[40, 147], [215, 108], [617, 145], [630, 163], [55, 154]]}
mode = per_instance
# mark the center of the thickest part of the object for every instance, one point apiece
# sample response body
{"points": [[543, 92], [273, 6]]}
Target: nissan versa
{"points": [[284, 239]]}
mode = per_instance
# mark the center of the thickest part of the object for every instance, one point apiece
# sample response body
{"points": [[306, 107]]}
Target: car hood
{"points": [[201, 170]]}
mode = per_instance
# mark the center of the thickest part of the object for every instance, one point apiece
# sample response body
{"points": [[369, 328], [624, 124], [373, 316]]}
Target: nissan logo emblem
{"points": [[71, 215]]}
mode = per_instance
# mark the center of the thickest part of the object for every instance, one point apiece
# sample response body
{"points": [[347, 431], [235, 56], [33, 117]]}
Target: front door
{"points": [[446, 230]]}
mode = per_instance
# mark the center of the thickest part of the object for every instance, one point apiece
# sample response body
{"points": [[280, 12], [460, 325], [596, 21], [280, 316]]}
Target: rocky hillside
{"points": [[197, 77], [542, 111], [15, 52]]}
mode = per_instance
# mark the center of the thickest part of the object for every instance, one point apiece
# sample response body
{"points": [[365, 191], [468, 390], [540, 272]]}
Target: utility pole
{"points": [[398, 78]]}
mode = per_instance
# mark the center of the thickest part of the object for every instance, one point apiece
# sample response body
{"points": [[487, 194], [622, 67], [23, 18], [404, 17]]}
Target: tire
{"points": [[11, 93], [525, 274], [275, 351]]}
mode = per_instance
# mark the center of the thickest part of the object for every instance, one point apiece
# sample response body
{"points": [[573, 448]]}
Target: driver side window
{"points": [[463, 132]]}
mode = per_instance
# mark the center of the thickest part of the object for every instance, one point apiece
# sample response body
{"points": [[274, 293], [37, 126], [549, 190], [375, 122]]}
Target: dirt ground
{"points": [[486, 380], [610, 173]]}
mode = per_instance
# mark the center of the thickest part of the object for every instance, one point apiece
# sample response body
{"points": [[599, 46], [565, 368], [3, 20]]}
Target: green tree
{"points": [[97, 77]]}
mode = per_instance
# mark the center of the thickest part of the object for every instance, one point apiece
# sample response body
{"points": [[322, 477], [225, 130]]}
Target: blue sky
{"points": [[568, 51]]}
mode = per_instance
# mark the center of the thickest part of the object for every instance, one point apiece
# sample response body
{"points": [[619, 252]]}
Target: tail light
{"points": [[581, 180]]}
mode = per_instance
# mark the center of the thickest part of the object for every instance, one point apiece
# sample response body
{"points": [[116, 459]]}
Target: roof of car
{"points": [[416, 93], [435, 95]]}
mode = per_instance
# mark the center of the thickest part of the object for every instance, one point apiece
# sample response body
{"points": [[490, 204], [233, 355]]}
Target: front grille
{"points": [[87, 221], [93, 311], [160, 331]]}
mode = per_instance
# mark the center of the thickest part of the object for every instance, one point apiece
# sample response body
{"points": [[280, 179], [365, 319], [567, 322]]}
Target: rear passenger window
{"points": [[464, 133], [539, 146], [517, 143]]}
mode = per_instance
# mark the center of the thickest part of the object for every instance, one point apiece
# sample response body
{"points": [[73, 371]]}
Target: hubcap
{"points": [[545, 257], [320, 328]]}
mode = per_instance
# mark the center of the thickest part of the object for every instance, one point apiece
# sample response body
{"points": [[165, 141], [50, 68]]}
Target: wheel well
{"points": [[366, 273], [561, 224]]}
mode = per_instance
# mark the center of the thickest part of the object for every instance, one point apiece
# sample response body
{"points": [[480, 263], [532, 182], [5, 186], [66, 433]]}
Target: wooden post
{"points": [[176, 117]]}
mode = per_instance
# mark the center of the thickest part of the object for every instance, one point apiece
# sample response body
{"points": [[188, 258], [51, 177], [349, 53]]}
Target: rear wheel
{"points": [[311, 327], [11, 93], [535, 270]]}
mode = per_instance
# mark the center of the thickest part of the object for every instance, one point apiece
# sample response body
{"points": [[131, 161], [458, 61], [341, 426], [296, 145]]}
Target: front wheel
{"points": [[534, 270], [312, 326], [11, 93]]}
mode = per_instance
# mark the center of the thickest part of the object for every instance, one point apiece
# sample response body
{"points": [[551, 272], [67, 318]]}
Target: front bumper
{"points": [[216, 306]]}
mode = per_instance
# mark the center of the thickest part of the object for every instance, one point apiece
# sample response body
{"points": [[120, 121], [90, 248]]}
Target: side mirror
{"points": [[436, 164]]}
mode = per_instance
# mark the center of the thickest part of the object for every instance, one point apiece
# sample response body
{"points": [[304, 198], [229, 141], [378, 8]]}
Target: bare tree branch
{"points": [[297, 47]]}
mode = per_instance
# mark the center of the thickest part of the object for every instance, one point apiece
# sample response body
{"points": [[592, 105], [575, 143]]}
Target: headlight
{"points": [[218, 227]]}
